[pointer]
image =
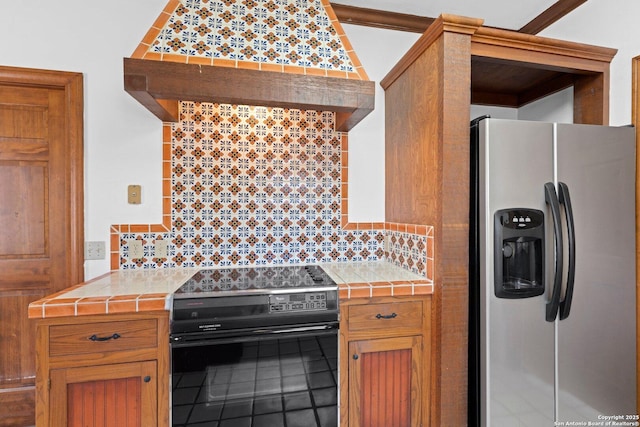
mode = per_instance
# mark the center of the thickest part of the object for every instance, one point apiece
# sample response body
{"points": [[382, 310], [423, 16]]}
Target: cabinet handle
{"points": [[388, 316], [95, 338], [147, 379], [355, 357]]}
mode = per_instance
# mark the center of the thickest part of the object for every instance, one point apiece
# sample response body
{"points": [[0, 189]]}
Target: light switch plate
{"points": [[136, 250], [134, 194], [94, 250]]}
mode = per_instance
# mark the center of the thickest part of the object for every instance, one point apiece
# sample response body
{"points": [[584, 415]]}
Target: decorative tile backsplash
{"points": [[252, 186], [302, 35], [410, 247]]}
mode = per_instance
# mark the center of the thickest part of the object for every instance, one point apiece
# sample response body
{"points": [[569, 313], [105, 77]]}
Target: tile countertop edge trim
{"points": [[151, 300], [39, 309], [41, 304]]}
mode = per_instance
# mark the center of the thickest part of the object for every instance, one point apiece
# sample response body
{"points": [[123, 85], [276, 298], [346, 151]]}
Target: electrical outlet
{"points": [[94, 250], [136, 250], [162, 248]]}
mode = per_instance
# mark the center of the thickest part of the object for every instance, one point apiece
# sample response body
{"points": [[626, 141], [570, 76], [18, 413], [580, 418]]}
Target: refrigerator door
{"points": [[516, 343], [597, 341]]}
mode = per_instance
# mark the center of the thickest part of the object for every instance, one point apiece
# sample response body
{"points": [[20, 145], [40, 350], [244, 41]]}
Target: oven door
{"points": [[270, 377]]}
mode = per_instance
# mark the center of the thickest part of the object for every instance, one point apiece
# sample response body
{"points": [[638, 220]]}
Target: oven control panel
{"points": [[281, 303]]}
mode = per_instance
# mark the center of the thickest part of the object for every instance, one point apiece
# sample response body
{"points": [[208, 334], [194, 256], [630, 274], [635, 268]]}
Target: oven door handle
{"points": [[226, 337], [292, 330]]}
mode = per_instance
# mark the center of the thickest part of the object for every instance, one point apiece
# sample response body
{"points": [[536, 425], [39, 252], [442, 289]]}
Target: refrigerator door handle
{"points": [[552, 200], [565, 199]]}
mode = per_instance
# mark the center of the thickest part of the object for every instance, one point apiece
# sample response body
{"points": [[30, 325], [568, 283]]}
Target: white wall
{"points": [[378, 51], [557, 107], [495, 112]]}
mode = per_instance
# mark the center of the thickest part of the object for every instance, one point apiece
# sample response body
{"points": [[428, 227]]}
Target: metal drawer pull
{"points": [[94, 337], [388, 316], [147, 379]]}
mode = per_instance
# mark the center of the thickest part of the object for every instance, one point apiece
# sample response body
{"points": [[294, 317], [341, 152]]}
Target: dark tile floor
{"points": [[275, 383]]}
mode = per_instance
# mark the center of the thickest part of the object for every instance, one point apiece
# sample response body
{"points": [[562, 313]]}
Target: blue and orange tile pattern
{"points": [[261, 186], [297, 36], [253, 186]]}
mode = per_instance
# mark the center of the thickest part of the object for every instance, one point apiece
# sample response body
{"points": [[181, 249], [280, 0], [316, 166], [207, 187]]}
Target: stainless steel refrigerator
{"points": [[552, 283]]}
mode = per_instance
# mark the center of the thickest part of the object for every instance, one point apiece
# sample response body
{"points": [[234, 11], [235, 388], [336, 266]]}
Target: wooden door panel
{"points": [[386, 388], [22, 94], [22, 122], [107, 402], [121, 395], [385, 382], [23, 213], [19, 407], [17, 359], [40, 212]]}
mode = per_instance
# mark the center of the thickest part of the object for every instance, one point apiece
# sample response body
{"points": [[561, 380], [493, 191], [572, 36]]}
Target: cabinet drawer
{"points": [[405, 315], [102, 337]]}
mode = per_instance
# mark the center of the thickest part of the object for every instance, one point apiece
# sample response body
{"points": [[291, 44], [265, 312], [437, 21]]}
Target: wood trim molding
{"points": [[635, 118], [504, 44], [554, 13], [450, 23], [418, 24], [381, 18]]}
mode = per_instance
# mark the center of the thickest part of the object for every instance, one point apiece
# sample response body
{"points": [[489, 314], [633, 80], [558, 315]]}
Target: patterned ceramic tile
{"points": [[294, 33], [254, 186], [410, 247]]}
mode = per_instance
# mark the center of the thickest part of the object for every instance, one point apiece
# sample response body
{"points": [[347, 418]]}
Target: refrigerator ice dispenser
{"points": [[519, 253]]}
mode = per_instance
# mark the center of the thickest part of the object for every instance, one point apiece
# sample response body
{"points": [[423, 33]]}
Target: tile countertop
{"points": [[131, 291]]}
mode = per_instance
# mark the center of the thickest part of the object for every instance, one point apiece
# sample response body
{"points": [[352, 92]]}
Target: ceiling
{"points": [[508, 14]]}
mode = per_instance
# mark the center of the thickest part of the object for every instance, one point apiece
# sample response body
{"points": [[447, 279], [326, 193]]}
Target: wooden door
{"points": [[121, 395], [385, 377], [41, 236]]}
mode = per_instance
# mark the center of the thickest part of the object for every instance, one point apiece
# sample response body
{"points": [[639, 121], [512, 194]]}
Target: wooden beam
{"points": [[418, 24], [158, 85], [165, 110], [554, 13], [381, 18]]}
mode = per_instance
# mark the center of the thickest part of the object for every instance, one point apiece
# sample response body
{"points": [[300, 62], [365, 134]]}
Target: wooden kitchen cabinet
{"points": [[385, 362], [105, 370], [119, 395]]}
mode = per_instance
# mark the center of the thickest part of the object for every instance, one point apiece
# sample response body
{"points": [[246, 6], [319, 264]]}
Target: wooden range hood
{"points": [[159, 85]]}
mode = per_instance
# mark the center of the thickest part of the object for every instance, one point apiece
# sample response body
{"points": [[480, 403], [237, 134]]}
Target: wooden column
{"points": [[427, 182], [591, 99]]}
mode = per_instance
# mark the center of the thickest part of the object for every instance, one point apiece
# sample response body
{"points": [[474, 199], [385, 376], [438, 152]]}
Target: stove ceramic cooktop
{"points": [[252, 280]]}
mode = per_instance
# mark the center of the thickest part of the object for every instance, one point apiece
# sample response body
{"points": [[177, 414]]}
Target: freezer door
{"points": [[517, 344], [597, 341]]}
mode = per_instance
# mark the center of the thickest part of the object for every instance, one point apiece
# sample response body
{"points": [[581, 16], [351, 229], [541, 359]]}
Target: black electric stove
{"points": [[255, 347], [255, 280], [238, 298]]}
